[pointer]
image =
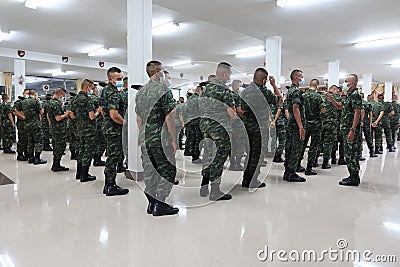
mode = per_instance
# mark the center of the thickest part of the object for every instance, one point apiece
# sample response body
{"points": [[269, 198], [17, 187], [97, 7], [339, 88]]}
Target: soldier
{"points": [[350, 127], [7, 125], [395, 119], [378, 111], [194, 134], [179, 123], [72, 132], [58, 126], [255, 100], [112, 106], [22, 136], [314, 106], [340, 140], [85, 113], [366, 124], [295, 134], [155, 109], [45, 124], [100, 140], [330, 124], [217, 108], [185, 120], [389, 112], [279, 123], [238, 131], [32, 111], [124, 97]]}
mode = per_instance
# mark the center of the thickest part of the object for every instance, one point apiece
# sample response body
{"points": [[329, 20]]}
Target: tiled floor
{"points": [[50, 219]]}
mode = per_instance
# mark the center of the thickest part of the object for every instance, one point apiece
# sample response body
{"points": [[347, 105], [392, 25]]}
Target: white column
{"points": [[139, 53], [1, 78], [19, 75], [388, 91], [333, 73], [367, 84], [274, 58]]}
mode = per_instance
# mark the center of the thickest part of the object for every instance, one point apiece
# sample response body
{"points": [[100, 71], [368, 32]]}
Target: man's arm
{"points": [[64, 116], [19, 114], [362, 117], [116, 117], [297, 116], [182, 120], [338, 105], [370, 118], [10, 117], [375, 124], [276, 89], [352, 134], [170, 119], [231, 112]]}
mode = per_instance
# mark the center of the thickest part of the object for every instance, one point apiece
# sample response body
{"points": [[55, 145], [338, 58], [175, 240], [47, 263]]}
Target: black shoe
{"points": [[97, 162], [47, 148], [286, 175], [216, 194], [278, 159], [394, 147], [377, 152], [74, 155], [361, 158], [187, 154], [255, 184], [294, 178], [197, 161], [309, 172], [8, 150], [342, 162], [204, 191], [121, 168], [391, 149], [326, 166], [176, 182], [57, 167], [150, 206], [372, 155], [85, 176], [353, 180], [300, 169], [315, 165], [333, 161], [21, 157], [31, 158], [37, 160], [163, 209], [114, 190]]}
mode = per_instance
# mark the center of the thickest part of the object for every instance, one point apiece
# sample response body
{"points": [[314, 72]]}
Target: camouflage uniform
{"points": [[31, 109], [366, 128], [294, 144], [394, 121], [330, 126], [58, 129], [22, 144], [386, 124], [100, 140], [111, 99], [215, 125], [377, 108], [238, 136], [339, 140], [255, 106], [153, 102], [313, 103], [351, 148], [45, 126], [6, 127], [72, 132], [81, 107], [124, 97], [178, 125], [194, 134]]}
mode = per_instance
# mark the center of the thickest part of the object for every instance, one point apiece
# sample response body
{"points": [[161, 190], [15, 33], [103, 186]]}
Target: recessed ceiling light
{"points": [[182, 64], [395, 65], [379, 42], [4, 36], [250, 52], [165, 28], [285, 3], [102, 51]]}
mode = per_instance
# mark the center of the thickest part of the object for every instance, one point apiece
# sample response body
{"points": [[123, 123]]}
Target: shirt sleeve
{"points": [[296, 97], [90, 105], [228, 98], [356, 101], [168, 102], [114, 100]]}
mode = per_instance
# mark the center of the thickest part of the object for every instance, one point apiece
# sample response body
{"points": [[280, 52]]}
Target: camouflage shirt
{"points": [[388, 108], [294, 96], [313, 103], [111, 100], [331, 114], [5, 109], [367, 110], [81, 106], [281, 119], [179, 109], [18, 106], [31, 109], [396, 117], [55, 109], [153, 102], [124, 97], [193, 110], [96, 103], [377, 108], [352, 102]]}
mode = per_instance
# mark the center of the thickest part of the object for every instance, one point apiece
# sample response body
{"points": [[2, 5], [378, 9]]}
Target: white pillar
{"points": [[367, 84], [274, 58], [388, 91], [139, 53], [19, 77], [333, 73], [1, 78]]}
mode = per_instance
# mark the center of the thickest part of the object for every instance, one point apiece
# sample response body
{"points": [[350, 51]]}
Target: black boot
{"points": [[97, 162], [391, 149], [78, 171], [377, 152], [326, 165], [150, 206], [253, 184], [47, 148], [163, 209], [361, 158], [309, 170], [293, 177], [57, 167], [7, 150], [30, 157], [278, 158], [372, 154], [114, 190], [342, 161], [300, 169], [37, 160], [353, 180], [216, 194], [121, 168], [333, 161], [85, 175], [74, 156], [21, 157], [204, 187]]}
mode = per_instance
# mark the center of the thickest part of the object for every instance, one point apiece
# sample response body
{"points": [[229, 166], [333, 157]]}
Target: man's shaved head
{"points": [[153, 67]]}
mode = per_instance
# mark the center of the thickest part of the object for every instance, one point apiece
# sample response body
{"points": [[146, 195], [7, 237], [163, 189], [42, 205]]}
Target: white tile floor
{"points": [[50, 219]]}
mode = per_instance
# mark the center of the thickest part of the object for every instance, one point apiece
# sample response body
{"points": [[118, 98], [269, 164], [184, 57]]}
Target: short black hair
{"points": [[33, 91], [262, 70], [125, 79], [153, 63], [113, 70], [295, 73], [315, 80], [224, 64], [381, 95]]}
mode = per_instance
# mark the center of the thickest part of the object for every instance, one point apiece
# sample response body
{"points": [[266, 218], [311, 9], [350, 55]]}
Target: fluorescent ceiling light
{"points": [[392, 226], [395, 65], [285, 3], [379, 42], [182, 64], [165, 28], [252, 52], [60, 73], [4, 36], [99, 52]]}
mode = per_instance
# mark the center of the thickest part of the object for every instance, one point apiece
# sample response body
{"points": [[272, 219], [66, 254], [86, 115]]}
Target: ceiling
{"points": [[211, 30]]}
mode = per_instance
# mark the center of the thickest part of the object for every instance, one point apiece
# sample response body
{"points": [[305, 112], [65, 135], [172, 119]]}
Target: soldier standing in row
{"points": [[7, 125], [279, 123], [395, 119], [238, 131], [72, 131], [45, 124], [22, 144], [378, 111], [389, 112], [194, 134], [366, 124], [100, 140]]}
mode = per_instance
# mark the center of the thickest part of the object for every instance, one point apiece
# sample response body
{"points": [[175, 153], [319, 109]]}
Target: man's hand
{"points": [[302, 133], [362, 124], [351, 135], [375, 125], [173, 143], [272, 125], [272, 81], [231, 113]]}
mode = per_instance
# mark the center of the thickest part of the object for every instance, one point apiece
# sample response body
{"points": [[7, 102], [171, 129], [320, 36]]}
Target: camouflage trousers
{"points": [[86, 148], [159, 170], [315, 135], [46, 133], [216, 150], [59, 143], [329, 138], [194, 137], [238, 140], [7, 136], [339, 142], [73, 138], [35, 138], [279, 136], [377, 136], [388, 133], [395, 129], [253, 162], [101, 143], [22, 144], [351, 152], [179, 131], [115, 155], [366, 129], [293, 148]]}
